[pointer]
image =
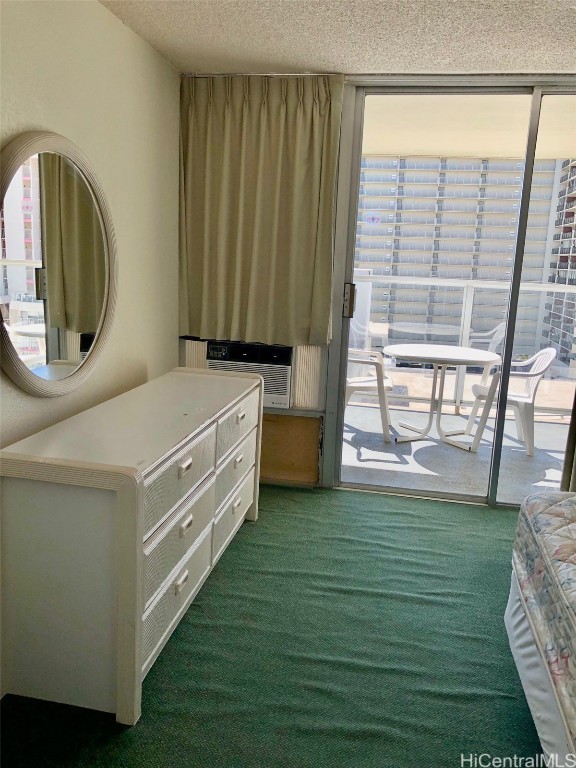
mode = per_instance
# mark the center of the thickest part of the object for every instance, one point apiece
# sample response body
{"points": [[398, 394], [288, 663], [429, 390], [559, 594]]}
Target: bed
{"points": [[541, 615]]}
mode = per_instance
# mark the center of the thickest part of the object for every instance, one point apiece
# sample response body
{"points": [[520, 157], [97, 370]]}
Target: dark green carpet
{"points": [[342, 629]]}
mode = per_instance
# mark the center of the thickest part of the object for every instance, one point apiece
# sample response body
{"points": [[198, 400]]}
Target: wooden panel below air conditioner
{"points": [[290, 449]]}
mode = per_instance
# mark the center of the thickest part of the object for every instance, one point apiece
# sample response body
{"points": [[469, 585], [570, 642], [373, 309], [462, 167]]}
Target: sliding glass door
{"points": [[543, 363], [438, 199]]}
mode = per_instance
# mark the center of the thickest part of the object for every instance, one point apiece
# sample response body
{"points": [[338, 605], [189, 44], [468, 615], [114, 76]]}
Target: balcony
{"points": [[383, 163], [420, 163], [433, 466], [413, 313]]}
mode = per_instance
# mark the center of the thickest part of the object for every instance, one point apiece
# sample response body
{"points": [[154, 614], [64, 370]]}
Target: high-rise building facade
{"points": [[20, 230], [438, 235], [560, 307]]}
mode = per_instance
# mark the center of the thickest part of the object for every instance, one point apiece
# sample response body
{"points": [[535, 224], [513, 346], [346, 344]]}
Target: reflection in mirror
{"points": [[53, 265]]}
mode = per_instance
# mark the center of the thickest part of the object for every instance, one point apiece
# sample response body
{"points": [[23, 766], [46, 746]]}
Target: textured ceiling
{"points": [[357, 36]]}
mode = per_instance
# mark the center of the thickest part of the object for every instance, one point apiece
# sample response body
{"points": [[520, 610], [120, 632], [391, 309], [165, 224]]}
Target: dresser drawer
{"points": [[235, 467], [237, 423], [161, 618], [173, 539], [232, 515], [170, 482]]}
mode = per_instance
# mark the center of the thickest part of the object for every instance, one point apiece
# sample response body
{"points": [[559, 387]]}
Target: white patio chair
{"points": [[493, 338], [521, 401], [483, 393], [375, 383]]}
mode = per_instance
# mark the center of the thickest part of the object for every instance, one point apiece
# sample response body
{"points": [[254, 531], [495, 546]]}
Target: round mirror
{"points": [[57, 264]]}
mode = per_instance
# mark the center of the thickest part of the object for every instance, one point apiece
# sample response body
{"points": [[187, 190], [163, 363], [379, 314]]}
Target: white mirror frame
{"points": [[11, 158]]}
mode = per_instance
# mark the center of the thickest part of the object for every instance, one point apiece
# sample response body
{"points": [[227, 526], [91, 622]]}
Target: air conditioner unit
{"points": [[272, 362], [294, 377]]}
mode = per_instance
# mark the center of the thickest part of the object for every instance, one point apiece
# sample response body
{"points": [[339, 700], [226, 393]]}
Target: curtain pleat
{"points": [[72, 246], [568, 482], [258, 172]]}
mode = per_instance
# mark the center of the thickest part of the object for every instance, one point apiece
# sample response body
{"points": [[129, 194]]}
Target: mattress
{"points": [[544, 561]]}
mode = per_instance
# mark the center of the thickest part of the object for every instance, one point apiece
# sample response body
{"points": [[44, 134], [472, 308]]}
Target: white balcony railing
{"points": [[545, 315]]}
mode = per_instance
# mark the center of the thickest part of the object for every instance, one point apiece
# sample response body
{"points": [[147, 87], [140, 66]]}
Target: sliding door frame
{"points": [[355, 91], [514, 295]]}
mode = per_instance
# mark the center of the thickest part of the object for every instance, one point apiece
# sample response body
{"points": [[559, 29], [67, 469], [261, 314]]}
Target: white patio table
{"points": [[441, 356], [32, 330]]}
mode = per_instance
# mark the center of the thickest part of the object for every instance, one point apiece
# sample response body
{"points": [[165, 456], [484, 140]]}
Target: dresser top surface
{"points": [[138, 428]]}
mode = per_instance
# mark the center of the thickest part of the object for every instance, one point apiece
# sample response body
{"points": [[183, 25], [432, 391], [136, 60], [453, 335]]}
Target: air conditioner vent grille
{"points": [[276, 378]]}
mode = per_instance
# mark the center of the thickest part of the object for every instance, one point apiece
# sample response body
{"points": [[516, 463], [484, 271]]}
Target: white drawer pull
{"points": [[186, 525], [237, 503], [240, 416], [184, 467], [238, 460], [179, 583]]}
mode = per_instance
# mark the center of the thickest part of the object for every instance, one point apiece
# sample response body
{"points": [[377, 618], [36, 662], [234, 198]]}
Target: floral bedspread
{"points": [[545, 563]]}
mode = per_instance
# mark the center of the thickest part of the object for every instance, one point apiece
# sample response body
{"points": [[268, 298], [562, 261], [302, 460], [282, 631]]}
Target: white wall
{"points": [[73, 68]]}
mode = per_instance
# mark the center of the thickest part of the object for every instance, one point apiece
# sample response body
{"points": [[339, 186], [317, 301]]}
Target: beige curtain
{"points": [[72, 245], [568, 482], [258, 171]]}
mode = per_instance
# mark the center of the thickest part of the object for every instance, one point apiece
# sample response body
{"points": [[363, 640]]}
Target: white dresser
{"points": [[111, 522]]}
